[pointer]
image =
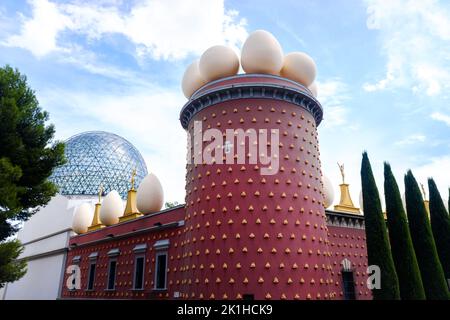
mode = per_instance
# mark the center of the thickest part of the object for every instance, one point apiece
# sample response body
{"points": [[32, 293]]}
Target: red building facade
{"points": [[346, 241], [242, 234]]}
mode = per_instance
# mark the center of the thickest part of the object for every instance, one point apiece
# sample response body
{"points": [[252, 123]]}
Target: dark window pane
{"points": [[112, 275], [161, 271], [139, 273], [91, 276], [349, 285]]}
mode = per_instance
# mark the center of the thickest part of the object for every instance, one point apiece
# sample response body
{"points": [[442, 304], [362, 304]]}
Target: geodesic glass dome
{"points": [[95, 158]]}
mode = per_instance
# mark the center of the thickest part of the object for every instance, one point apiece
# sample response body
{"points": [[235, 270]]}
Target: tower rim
{"points": [[251, 86]]}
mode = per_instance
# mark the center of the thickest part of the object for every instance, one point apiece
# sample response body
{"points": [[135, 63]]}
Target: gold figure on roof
{"points": [[341, 168], [100, 192], [133, 179]]}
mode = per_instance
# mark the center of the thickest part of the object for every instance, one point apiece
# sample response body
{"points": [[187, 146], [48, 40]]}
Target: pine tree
{"points": [[430, 267], [440, 225], [410, 281], [28, 155], [378, 250]]}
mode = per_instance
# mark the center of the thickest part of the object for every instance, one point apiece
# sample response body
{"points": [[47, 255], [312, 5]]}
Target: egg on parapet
{"points": [[192, 79], [328, 191], [82, 218], [404, 201], [361, 201], [218, 62], [150, 195], [313, 89], [262, 53], [300, 67], [112, 209]]}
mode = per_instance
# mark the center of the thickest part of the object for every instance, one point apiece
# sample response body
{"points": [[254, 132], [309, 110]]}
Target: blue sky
{"points": [[383, 73]]}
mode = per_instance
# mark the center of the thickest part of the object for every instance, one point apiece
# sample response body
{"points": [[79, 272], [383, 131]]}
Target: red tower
{"points": [[247, 234]]}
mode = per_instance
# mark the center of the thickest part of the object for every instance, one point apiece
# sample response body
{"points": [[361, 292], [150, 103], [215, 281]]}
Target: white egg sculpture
{"points": [[383, 202], [218, 62], [150, 195], [192, 80], [361, 201], [328, 191], [300, 67], [112, 208], [82, 218], [262, 53], [313, 89]]}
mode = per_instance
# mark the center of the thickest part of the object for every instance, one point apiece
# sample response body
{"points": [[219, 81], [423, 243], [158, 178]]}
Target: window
{"points": [[139, 267], [91, 276], [74, 271], [112, 274], [161, 271], [349, 285]]}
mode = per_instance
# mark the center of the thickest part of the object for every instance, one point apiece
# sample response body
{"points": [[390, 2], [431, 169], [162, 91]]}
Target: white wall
{"points": [[43, 235], [41, 282], [54, 217]]}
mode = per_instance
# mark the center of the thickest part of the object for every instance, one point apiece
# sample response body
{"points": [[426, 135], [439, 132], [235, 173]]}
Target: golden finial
{"points": [[133, 178], [131, 210], [100, 192], [96, 223], [423, 191], [345, 203], [341, 167]]}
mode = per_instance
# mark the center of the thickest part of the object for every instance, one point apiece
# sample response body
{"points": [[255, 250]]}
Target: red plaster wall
{"points": [[344, 243], [247, 234], [125, 267], [351, 244], [273, 246]]}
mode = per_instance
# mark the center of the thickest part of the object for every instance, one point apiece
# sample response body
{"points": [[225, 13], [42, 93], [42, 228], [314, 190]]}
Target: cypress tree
{"points": [[405, 261], [378, 250], [440, 225], [430, 267]]}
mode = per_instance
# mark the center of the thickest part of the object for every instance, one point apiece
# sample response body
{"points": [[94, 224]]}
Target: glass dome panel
{"points": [[95, 158]]}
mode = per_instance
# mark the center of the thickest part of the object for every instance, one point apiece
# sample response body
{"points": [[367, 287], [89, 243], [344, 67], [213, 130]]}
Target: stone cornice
{"points": [[345, 220], [254, 89]]}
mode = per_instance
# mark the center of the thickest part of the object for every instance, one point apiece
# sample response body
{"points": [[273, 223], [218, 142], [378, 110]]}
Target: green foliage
{"points": [[430, 267], [378, 250], [410, 281], [169, 204], [11, 268], [27, 158], [440, 225]]}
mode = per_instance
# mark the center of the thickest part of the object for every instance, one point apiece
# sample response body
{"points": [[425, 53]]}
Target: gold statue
{"points": [[341, 167], [100, 192], [133, 180], [423, 191]]}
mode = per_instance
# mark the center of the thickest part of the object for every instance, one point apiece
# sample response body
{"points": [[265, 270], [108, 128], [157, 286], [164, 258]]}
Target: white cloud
{"points": [[158, 28], [147, 116], [441, 117], [333, 95], [39, 34], [436, 169], [415, 37], [412, 139]]}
